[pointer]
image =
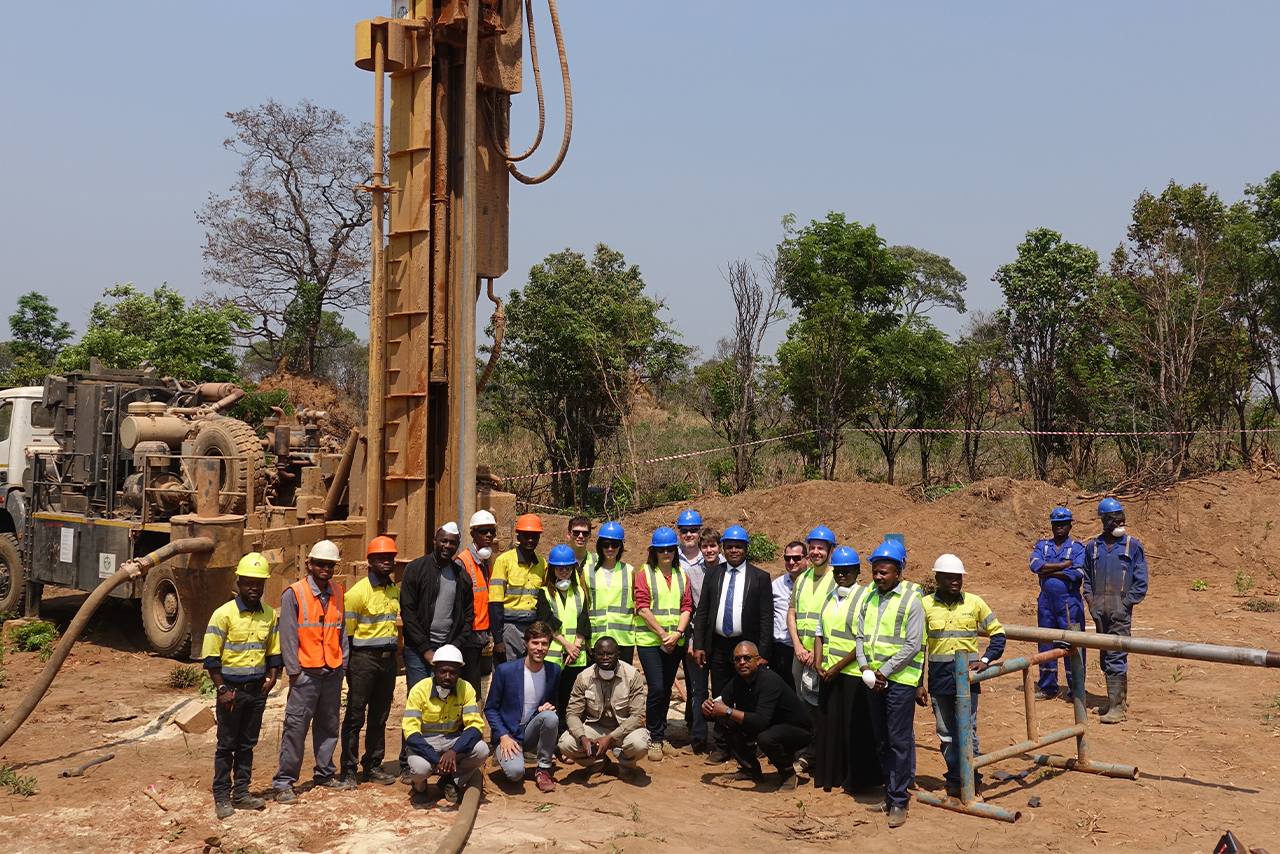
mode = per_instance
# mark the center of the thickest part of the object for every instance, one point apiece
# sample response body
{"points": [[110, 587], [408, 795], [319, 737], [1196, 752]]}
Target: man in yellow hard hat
{"points": [[371, 608], [518, 575], [242, 655]]}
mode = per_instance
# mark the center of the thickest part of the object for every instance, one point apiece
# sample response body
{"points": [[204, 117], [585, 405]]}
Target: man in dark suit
{"points": [[736, 606], [521, 708]]}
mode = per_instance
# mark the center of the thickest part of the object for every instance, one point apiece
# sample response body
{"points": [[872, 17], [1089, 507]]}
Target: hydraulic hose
{"points": [[499, 330], [131, 569], [568, 102]]}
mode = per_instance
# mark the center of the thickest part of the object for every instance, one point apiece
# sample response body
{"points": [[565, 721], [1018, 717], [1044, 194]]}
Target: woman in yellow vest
{"points": [[563, 605], [845, 754], [610, 584], [664, 603]]}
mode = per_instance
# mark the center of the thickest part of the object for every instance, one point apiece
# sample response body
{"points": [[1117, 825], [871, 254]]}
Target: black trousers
{"points": [[371, 686], [720, 665], [781, 656], [778, 743], [238, 729], [893, 719]]}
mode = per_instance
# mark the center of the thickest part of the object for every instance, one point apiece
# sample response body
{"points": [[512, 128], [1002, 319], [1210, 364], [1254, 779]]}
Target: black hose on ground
{"points": [[131, 569]]}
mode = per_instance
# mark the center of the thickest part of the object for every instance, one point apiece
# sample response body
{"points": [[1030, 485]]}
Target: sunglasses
{"points": [[793, 558], [609, 544], [579, 533], [664, 548], [743, 657], [484, 532], [690, 530]]}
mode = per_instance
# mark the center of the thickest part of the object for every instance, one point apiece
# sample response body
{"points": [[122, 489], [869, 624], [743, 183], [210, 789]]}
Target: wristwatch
{"points": [[984, 660], [222, 689]]}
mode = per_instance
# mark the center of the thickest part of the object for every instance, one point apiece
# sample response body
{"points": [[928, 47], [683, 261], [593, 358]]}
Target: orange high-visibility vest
{"points": [[479, 590], [319, 629]]}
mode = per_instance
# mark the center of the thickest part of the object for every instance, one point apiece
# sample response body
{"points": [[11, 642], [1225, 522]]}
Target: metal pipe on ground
{"points": [[1149, 646], [129, 570]]}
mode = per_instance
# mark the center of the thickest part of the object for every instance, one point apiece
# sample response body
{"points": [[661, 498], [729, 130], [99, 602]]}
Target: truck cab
{"points": [[25, 428]]}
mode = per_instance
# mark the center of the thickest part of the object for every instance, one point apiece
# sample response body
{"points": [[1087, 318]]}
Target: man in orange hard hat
{"points": [[517, 577], [372, 605]]}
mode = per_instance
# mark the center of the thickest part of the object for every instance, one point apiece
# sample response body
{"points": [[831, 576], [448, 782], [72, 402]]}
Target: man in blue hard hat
{"points": [[737, 606], [1115, 579], [1058, 562], [694, 564], [812, 588], [890, 646]]}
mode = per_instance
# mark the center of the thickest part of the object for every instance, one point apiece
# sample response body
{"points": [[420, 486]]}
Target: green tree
{"points": [[38, 337], [977, 374], [193, 343], [1254, 243], [1045, 291], [1173, 282], [845, 286], [908, 389], [934, 282], [291, 240], [579, 338]]}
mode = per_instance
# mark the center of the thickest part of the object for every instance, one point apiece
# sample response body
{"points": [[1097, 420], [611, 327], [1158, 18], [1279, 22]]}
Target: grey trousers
{"points": [[420, 768], [513, 637], [540, 733], [631, 749], [315, 702]]}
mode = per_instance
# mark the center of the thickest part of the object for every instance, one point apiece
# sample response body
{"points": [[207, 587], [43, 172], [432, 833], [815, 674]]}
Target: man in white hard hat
{"points": [[443, 728], [477, 560], [955, 619], [313, 642]]}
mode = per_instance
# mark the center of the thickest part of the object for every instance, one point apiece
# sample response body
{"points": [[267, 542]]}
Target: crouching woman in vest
{"points": [[563, 605], [443, 728]]}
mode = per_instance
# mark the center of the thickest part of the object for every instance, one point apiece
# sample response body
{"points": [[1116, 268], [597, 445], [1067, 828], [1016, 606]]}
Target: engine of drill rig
{"points": [[129, 444]]}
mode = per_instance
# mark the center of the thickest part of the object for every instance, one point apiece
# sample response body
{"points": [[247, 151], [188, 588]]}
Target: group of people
{"points": [[814, 670]]}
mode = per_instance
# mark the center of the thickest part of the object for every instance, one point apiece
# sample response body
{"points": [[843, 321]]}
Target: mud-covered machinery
{"points": [[136, 455]]}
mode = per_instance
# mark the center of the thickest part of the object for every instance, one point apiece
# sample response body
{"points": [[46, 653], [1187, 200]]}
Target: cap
{"points": [[325, 550], [562, 556], [664, 537], [529, 522], [949, 563], [843, 556], [450, 528], [447, 654], [736, 532], [253, 565], [823, 533], [480, 518], [381, 545], [1061, 514], [689, 519]]}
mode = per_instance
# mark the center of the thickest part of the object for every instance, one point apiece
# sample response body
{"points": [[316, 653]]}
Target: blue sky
{"points": [[953, 127]]}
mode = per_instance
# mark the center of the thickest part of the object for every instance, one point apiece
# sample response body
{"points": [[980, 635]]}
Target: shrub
{"points": [[1199, 584], [761, 549], [38, 636], [25, 786], [1261, 605], [185, 676]]}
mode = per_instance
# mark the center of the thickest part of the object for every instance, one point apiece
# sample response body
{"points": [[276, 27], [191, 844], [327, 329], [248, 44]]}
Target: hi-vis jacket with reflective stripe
{"points": [[370, 611], [808, 598], [242, 644], [566, 607], [426, 715], [319, 628], [665, 600], [516, 584], [955, 628], [885, 634], [839, 627], [613, 608]]}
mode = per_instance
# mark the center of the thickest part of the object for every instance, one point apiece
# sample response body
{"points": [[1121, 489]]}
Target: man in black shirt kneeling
{"points": [[758, 708]]}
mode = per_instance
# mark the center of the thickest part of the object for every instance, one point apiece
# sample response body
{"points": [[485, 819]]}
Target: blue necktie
{"points": [[726, 626]]}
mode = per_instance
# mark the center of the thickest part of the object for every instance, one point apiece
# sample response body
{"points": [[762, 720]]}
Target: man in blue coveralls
{"points": [[1059, 563], [1115, 579]]}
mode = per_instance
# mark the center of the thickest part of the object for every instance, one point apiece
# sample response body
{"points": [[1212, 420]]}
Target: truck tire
{"points": [[164, 619], [12, 582], [228, 437]]}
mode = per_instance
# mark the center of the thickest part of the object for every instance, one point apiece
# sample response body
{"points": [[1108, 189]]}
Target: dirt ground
{"points": [[1205, 737]]}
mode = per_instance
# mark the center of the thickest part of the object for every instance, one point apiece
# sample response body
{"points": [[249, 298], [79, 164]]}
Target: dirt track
{"points": [[1206, 737]]}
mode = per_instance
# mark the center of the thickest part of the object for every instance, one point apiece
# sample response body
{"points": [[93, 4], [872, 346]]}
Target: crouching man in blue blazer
{"points": [[521, 708]]}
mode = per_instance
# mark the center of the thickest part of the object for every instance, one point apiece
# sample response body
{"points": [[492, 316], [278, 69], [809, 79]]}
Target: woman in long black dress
{"points": [[846, 751]]}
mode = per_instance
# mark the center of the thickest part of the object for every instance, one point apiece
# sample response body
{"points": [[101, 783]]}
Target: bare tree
{"points": [[291, 240], [728, 391]]}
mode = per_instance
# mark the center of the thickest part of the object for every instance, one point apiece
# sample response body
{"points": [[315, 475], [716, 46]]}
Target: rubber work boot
{"points": [[1118, 693]]}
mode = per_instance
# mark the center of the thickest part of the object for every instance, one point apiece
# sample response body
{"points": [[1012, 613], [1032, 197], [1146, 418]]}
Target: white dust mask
{"points": [[606, 675], [484, 554], [562, 584]]}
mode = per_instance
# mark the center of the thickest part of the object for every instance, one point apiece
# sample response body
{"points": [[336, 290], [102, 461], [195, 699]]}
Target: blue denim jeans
{"points": [[944, 716], [659, 675]]}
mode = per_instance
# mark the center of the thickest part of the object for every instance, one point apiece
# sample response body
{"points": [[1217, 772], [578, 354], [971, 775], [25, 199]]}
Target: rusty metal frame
{"points": [[969, 764]]}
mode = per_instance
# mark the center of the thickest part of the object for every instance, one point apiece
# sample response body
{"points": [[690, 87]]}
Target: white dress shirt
{"points": [[739, 587]]}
